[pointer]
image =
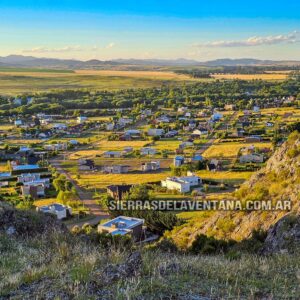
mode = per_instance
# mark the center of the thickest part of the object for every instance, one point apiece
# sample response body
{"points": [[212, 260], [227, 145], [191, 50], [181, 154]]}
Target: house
{"points": [[125, 121], [73, 142], [155, 132], [171, 133], [19, 169], [81, 119], [17, 101], [56, 147], [18, 123], [112, 154], [59, 210], [59, 126], [199, 132], [116, 169], [181, 184], [216, 116], [256, 108], [197, 157], [178, 160], [253, 139], [182, 109], [33, 178], [148, 151], [252, 158], [163, 119], [123, 226], [269, 124], [118, 191], [229, 107], [150, 166], [33, 189], [186, 145], [127, 150], [214, 165], [110, 126], [86, 164]]}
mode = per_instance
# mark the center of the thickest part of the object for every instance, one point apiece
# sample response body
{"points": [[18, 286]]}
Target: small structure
{"points": [[117, 191], [178, 160], [59, 126], [214, 165], [18, 123], [181, 184], [148, 151], [252, 158], [81, 119], [86, 164], [253, 139], [33, 189], [59, 210], [116, 169], [150, 166], [112, 154], [155, 132], [123, 226]]}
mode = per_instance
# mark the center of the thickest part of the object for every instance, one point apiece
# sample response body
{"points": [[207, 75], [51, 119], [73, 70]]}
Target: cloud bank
{"points": [[289, 38]]}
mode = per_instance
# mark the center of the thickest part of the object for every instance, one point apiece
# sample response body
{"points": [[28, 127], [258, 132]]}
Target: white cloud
{"points": [[52, 50], [110, 45], [67, 49], [289, 38]]}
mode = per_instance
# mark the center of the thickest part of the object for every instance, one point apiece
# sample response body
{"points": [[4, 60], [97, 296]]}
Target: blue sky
{"points": [[200, 30]]}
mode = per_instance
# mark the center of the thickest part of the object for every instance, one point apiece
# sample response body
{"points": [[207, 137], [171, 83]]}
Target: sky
{"points": [[111, 29]]}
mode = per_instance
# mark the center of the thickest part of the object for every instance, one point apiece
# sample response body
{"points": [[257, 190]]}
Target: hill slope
{"points": [[279, 180]]}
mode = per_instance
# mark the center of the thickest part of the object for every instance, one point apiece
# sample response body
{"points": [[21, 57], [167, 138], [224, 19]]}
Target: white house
{"points": [[110, 126], [150, 166], [155, 131], [254, 158], [59, 126], [81, 119], [148, 151], [181, 184], [116, 169], [18, 122], [112, 154], [200, 132], [59, 210], [256, 109]]}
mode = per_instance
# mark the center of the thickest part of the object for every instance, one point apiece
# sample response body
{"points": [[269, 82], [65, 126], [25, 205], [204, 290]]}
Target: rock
{"points": [[284, 236], [129, 268], [169, 268], [11, 230]]}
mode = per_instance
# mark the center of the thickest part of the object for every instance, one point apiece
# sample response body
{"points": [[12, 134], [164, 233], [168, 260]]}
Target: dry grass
{"points": [[273, 76], [224, 175], [228, 150], [103, 180]]}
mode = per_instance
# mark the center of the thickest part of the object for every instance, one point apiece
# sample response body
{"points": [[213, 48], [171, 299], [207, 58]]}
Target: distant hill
{"points": [[31, 61]]}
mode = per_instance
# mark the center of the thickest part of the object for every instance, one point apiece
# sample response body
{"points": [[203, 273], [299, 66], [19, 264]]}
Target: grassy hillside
{"points": [[52, 264], [279, 180]]}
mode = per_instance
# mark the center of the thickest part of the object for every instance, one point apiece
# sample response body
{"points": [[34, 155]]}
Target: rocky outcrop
{"points": [[27, 223], [284, 236]]}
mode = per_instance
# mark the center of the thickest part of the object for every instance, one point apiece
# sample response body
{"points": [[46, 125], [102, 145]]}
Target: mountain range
{"points": [[31, 61]]}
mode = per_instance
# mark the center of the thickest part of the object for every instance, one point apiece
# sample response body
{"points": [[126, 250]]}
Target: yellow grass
{"points": [[135, 74], [273, 76], [43, 202], [103, 180], [229, 149], [3, 168], [224, 175]]}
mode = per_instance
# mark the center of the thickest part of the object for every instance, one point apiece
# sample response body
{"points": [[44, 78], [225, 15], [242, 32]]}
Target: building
{"points": [[253, 139], [59, 210], [150, 166], [181, 184], [148, 151], [56, 147], [18, 123], [59, 126], [86, 164], [116, 169], [155, 132], [33, 189], [252, 158], [216, 116], [118, 191], [123, 226], [178, 160], [81, 119], [112, 154]]}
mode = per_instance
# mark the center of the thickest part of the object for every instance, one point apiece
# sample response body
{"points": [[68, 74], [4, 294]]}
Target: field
{"points": [[270, 76], [103, 180], [227, 150], [14, 81]]}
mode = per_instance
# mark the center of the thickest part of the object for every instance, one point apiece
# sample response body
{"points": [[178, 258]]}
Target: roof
{"points": [[126, 222], [53, 207], [25, 167]]}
